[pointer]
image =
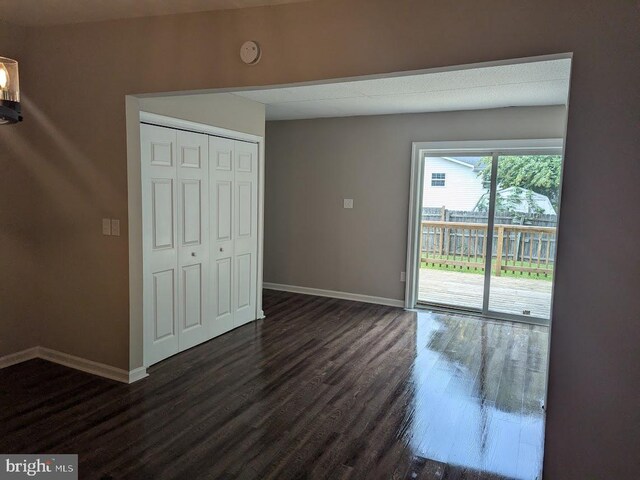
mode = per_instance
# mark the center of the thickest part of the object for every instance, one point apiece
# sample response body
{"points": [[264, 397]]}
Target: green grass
{"points": [[479, 270]]}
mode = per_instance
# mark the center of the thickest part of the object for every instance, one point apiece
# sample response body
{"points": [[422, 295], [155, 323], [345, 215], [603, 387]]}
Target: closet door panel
{"points": [[245, 222], [192, 283], [158, 149], [221, 175], [193, 246], [244, 277], [224, 201]]}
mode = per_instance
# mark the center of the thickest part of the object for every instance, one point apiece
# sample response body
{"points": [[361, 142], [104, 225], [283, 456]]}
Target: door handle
{"points": [[193, 254], [221, 249]]}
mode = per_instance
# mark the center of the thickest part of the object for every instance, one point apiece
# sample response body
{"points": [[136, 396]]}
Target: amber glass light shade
{"points": [[9, 82], [9, 91]]}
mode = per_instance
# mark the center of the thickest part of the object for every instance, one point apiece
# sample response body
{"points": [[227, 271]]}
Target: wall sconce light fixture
{"points": [[9, 91]]}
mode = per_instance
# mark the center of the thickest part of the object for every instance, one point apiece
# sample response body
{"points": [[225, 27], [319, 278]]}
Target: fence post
{"points": [[443, 214], [499, 250], [421, 245]]}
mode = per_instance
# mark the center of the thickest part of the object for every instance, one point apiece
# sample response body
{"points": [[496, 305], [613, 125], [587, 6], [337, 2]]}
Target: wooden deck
{"points": [[508, 294]]}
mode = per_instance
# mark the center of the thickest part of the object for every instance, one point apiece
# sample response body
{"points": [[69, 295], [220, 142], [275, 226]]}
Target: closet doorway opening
{"points": [[201, 199]]}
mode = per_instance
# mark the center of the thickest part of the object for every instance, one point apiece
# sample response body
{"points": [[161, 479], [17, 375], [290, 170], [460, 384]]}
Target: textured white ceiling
{"points": [[524, 84], [60, 12]]}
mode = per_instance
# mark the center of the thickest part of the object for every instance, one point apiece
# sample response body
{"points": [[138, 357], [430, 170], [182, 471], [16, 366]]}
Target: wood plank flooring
{"points": [[322, 388]]}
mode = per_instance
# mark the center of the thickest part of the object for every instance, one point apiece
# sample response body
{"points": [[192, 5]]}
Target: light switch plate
{"points": [[348, 203], [106, 226], [115, 227], [403, 277]]}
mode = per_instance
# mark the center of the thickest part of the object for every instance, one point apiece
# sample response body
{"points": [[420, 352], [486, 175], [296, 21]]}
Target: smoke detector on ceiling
{"points": [[250, 52]]}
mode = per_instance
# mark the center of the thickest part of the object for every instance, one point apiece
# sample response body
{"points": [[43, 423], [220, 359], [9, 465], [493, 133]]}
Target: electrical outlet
{"points": [[348, 203], [403, 277], [106, 226], [115, 227]]}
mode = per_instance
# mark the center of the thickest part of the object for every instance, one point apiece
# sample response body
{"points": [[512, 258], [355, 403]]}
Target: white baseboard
{"points": [[137, 374], [19, 357], [356, 297], [84, 365], [77, 363], [124, 376]]}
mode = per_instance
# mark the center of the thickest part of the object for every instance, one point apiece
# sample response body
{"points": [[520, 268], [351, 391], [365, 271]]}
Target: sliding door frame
{"points": [[485, 148]]}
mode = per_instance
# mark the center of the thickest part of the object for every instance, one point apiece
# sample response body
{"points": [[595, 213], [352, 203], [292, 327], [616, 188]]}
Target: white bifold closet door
{"points": [[175, 240], [200, 221], [234, 223], [193, 238]]}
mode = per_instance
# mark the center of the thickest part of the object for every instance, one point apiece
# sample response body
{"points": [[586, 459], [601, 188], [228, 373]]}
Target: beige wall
{"points": [[75, 79], [19, 286], [311, 241]]}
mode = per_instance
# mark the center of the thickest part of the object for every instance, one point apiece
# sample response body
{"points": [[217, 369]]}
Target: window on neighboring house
{"points": [[437, 179]]}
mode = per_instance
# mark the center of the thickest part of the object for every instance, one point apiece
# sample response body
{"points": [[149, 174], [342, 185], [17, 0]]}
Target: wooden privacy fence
{"points": [[516, 248], [471, 216]]}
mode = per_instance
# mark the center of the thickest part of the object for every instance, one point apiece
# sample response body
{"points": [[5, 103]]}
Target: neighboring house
{"points": [[455, 183], [452, 182]]}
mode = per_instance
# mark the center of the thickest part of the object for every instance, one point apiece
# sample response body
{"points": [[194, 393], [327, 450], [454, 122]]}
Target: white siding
{"points": [[462, 190]]}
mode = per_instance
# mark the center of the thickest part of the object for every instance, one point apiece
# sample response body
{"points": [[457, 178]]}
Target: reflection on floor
{"points": [[322, 388], [508, 294], [479, 392]]}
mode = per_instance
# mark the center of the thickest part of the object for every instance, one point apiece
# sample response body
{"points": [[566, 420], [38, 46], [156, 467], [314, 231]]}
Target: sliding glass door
{"points": [[487, 233], [524, 224], [452, 232]]}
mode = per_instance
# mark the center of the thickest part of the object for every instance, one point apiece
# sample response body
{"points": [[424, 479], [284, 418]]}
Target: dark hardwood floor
{"points": [[322, 388]]}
